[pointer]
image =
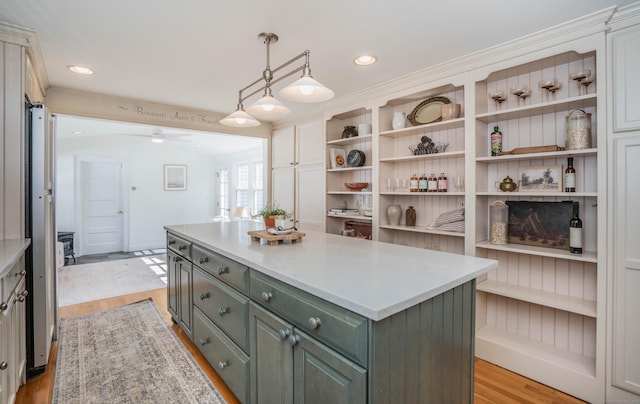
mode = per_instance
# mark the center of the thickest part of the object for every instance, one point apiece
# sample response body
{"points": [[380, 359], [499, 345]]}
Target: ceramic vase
{"points": [[349, 131], [399, 120], [394, 213], [410, 216]]}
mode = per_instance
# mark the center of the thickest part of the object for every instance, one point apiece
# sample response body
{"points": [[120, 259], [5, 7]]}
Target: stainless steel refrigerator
{"points": [[40, 228]]}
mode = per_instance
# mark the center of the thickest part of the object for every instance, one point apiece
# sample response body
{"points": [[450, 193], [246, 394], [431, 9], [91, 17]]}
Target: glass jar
{"points": [[578, 127], [498, 222]]}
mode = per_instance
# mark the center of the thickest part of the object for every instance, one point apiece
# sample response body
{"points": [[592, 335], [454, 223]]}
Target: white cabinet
{"points": [[625, 50], [297, 166]]}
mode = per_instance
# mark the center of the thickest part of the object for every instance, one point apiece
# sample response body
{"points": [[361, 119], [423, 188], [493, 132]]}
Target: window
{"points": [[258, 189], [242, 185], [223, 204]]}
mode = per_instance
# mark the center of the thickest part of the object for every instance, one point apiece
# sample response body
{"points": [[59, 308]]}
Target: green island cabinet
{"points": [[272, 341]]}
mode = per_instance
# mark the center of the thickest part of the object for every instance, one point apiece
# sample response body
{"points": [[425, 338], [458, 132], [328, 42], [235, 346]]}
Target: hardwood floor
{"points": [[492, 384]]}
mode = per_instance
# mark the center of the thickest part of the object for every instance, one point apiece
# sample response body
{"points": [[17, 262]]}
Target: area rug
{"points": [[127, 355], [87, 282]]}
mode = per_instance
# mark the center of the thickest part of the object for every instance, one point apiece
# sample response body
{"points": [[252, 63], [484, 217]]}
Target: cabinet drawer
{"points": [[227, 308], [229, 271], [231, 364], [179, 245], [345, 331]]}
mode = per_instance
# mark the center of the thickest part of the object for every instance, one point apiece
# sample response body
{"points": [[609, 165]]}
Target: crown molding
{"points": [[29, 40]]}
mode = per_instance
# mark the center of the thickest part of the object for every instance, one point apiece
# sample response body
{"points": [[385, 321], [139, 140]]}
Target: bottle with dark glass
{"points": [[432, 183], [570, 176], [575, 231]]}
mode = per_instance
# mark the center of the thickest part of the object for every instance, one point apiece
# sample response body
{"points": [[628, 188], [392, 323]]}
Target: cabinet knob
{"points": [[222, 311], [223, 270], [202, 260], [204, 341], [25, 293], [223, 364], [22, 273], [266, 296], [3, 306], [204, 295], [294, 339], [314, 323], [3, 365], [172, 242], [284, 333], [21, 298], [182, 247]]}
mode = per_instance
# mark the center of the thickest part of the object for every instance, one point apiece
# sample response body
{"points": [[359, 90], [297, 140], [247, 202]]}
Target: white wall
{"points": [[150, 206]]}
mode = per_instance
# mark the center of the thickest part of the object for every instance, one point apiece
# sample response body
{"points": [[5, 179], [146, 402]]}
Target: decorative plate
{"points": [[355, 158], [428, 111]]}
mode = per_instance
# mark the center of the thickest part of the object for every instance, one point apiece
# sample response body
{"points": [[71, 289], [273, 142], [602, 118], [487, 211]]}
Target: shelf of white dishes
{"points": [[566, 303], [535, 156], [412, 130], [349, 192], [526, 193], [412, 157], [421, 229], [514, 351], [342, 170], [355, 217], [394, 193], [580, 102], [350, 140], [586, 256]]}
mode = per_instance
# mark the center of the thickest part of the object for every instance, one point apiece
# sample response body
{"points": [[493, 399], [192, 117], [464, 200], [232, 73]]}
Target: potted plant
{"points": [[271, 212]]}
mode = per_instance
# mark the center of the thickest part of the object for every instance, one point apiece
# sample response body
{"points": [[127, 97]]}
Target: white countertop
{"points": [[371, 278], [10, 253]]}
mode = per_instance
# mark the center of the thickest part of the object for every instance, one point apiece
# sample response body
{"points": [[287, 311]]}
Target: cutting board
{"points": [[275, 239]]}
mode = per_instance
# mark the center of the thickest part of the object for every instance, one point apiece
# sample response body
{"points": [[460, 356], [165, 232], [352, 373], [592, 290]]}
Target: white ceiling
{"points": [[199, 53]]}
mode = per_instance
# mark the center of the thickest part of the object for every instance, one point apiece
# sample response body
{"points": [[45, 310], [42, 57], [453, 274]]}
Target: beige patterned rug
{"points": [[127, 355]]}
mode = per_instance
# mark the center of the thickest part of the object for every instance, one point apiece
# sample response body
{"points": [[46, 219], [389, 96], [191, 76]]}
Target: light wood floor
{"points": [[492, 384]]}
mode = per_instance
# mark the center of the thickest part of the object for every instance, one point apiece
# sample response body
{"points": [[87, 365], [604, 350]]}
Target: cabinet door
{"points": [[310, 194], [321, 375], [309, 143], [185, 295], [5, 351], [271, 358], [283, 147], [626, 79], [626, 271], [283, 188], [172, 284]]}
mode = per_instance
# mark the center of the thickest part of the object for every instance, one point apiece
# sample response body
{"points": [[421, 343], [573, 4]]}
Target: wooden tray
{"points": [[275, 239]]}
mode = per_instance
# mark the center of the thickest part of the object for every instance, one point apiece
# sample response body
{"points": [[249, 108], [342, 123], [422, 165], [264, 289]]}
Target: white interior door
{"points": [[102, 207]]}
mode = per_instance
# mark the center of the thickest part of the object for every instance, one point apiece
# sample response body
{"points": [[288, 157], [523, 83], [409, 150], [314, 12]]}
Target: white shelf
{"points": [[412, 130], [524, 193], [587, 256], [420, 229], [579, 102], [534, 156], [350, 140], [354, 217], [393, 193], [402, 159], [346, 169], [349, 192], [543, 298], [567, 371]]}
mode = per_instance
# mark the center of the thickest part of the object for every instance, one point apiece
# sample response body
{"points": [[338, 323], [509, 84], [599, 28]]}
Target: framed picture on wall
{"points": [[541, 179], [175, 177]]}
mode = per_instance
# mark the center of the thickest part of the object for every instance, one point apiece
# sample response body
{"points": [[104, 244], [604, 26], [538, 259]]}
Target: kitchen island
{"points": [[328, 319]]}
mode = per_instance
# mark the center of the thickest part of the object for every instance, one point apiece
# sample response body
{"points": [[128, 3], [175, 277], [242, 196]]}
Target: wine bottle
{"points": [[575, 231], [496, 141], [570, 176]]}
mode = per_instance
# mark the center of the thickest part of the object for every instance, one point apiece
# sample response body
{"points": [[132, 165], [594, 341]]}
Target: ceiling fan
{"points": [[157, 136]]}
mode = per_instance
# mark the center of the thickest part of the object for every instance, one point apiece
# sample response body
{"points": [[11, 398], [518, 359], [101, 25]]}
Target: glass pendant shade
{"points": [[240, 119], [306, 89], [268, 107]]}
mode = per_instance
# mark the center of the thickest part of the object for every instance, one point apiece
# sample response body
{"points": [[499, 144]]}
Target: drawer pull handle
{"points": [[294, 339], [172, 242], [21, 298], [266, 296], [222, 270], [202, 260], [205, 295], [223, 364], [176, 259], [314, 323], [3, 365], [182, 247], [284, 333], [3, 306], [204, 341], [223, 311]]}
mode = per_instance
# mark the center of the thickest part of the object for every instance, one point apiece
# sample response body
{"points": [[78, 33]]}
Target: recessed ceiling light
{"points": [[80, 70], [365, 60]]}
